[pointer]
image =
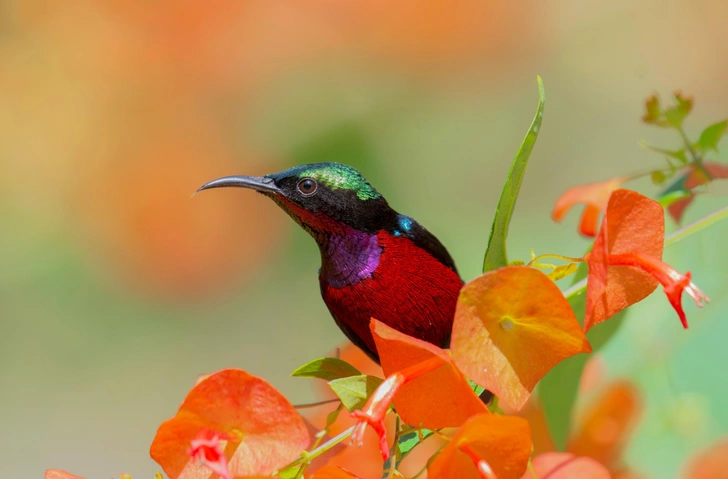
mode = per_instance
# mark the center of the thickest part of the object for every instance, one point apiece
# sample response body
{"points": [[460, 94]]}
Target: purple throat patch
{"points": [[349, 258]]}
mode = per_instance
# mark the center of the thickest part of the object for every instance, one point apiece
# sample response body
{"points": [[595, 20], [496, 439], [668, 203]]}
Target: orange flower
{"points": [[206, 449], [427, 388], [487, 446], [693, 178], [264, 432], [58, 474], [594, 195], [607, 424], [564, 465], [625, 263], [710, 463], [513, 325]]}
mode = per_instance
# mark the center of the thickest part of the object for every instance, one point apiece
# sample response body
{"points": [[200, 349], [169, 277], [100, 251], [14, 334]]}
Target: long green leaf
{"points": [[495, 255]]}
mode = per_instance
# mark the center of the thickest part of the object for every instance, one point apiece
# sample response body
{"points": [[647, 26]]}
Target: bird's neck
{"points": [[348, 256]]}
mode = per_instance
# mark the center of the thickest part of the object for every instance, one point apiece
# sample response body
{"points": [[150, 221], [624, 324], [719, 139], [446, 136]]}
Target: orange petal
{"points": [[563, 465], [439, 398], [632, 224], [589, 221], [513, 325], [267, 431], [504, 442], [333, 472], [607, 424], [58, 474], [594, 195], [710, 463]]}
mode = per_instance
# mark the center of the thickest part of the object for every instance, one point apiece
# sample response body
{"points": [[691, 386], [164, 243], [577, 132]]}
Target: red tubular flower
{"points": [[206, 449], [673, 282], [376, 407], [594, 196], [625, 264]]}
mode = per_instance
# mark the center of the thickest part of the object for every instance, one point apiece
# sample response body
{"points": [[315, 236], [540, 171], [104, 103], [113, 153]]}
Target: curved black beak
{"points": [[257, 183]]}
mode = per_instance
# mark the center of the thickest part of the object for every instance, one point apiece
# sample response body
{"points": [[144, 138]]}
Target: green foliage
{"points": [[326, 368], [495, 255], [670, 117], [355, 390], [710, 137]]}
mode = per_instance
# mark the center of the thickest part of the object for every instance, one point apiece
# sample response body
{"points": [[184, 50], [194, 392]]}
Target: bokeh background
{"points": [[117, 288]]}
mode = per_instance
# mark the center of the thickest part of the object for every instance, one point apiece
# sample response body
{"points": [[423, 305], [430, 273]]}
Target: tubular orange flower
{"points": [[480, 464], [673, 282], [58, 474], [426, 387], [709, 463], [206, 449], [487, 446], [594, 195], [264, 432], [374, 412], [625, 263]]}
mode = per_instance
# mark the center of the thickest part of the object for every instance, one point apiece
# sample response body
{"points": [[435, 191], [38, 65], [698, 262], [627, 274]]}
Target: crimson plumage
{"points": [[410, 291]]}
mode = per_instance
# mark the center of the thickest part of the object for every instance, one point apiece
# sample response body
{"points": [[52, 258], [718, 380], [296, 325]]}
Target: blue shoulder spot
{"points": [[397, 233], [405, 222]]}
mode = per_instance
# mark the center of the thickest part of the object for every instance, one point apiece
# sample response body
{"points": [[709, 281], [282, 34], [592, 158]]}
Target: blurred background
{"points": [[117, 288]]}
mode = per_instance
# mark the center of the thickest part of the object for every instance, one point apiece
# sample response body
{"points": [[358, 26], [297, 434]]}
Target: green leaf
{"points": [[477, 389], [495, 255], [677, 113], [673, 196], [326, 368], [355, 390], [710, 137], [653, 112], [558, 390]]}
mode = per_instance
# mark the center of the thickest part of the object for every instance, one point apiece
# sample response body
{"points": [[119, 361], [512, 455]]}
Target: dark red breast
{"points": [[410, 291]]}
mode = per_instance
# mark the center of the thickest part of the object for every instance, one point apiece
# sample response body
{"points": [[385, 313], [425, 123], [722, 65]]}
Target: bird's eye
{"points": [[307, 186]]}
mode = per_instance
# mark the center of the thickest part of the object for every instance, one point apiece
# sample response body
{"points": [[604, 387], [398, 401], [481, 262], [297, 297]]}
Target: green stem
{"points": [[692, 228], [532, 470], [307, 457], [395, 448], [697, 160], [432, 458]]}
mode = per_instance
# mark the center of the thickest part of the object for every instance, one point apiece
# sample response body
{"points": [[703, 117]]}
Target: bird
{"points": [[375, 262]]}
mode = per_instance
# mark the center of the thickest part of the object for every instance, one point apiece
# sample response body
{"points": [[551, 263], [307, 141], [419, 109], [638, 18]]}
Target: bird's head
{"points": [[322, 197]]}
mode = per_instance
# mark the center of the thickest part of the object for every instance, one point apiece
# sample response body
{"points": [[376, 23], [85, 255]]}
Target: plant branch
{"points": [[697, 159]]}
